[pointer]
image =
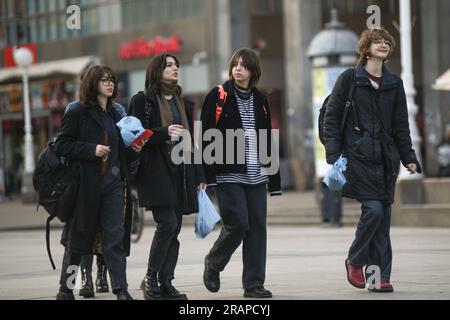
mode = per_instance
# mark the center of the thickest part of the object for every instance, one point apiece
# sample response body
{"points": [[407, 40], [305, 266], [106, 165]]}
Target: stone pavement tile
{"points": [[302, 264]]}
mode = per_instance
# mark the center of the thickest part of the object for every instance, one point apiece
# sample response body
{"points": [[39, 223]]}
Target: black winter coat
{"points": [[367, 175], [155, 181], [230, 119], [81, 131]]}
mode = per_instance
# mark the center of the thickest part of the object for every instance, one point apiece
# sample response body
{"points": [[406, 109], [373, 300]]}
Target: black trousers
{"points": [[243, 209], [372, 244], [165, 246], [87, 260], [112, 234]]}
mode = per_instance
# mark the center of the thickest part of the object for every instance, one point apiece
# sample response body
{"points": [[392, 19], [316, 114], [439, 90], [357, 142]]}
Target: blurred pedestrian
{"points": [[240, 187], [169, 190], [443, 152], [102, 216], [375, 140]]}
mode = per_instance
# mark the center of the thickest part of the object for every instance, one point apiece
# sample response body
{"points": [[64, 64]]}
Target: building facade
{"points": [[203, 34]]}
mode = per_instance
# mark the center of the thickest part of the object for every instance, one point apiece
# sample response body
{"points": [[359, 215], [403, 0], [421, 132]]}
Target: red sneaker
{"points": [[383, 286], [355, 275]]}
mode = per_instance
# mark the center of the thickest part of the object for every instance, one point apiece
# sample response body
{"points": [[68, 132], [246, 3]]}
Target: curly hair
{"points": [[366, 39]]}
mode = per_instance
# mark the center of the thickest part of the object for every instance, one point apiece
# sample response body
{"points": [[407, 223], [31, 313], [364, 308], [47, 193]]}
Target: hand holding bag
{"points": [[334, 178], [207, 216]]}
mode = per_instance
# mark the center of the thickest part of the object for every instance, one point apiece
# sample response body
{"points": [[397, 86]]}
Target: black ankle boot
{"points": [[87, 287], [169, 292], [150, 287], [101, 283], [123, 295], [65, 294]]}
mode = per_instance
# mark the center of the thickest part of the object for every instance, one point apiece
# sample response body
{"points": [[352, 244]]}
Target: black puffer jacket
{"points": [[367, 176]]}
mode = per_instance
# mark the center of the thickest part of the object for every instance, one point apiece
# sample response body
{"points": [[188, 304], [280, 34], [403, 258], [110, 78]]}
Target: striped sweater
{"points": [[254, 174]]}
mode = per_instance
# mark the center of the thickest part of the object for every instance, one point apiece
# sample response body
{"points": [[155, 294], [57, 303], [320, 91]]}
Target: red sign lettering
{"points": [[142, 48]]}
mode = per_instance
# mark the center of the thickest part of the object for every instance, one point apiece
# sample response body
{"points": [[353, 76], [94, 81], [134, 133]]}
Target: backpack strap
{"points": [[47, 240], [350, 104], [147, 110], [221, 102]]}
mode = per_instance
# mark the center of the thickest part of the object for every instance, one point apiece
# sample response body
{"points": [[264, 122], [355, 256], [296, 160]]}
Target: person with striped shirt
{"points": [[241, 186]]}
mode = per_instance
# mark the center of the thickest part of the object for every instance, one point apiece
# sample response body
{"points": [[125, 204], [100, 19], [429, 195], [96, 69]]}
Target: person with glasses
{"points": [[101, 220], [101, 281], [166, 187], [375, 140]]}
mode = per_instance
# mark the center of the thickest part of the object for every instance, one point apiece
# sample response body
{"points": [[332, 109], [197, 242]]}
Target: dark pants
{"points": [[87, 260], [243, 209], [331, 205], [112, 235], [165, 245], [372, 244]]}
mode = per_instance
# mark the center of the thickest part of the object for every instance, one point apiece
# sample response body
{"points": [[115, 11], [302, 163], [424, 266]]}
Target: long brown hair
{"points": [[370, 35], [90, 80], [251, 63], [153, 75]]}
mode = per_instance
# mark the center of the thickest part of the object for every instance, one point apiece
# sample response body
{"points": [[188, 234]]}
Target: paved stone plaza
{"points": [[303, 263]]}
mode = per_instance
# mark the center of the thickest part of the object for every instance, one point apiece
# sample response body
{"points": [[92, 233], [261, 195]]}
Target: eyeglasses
{"points": [[107, 81], [379, 42]]}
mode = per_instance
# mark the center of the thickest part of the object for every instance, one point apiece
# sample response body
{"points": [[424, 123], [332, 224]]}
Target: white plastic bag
{"points": [[207, 216], [334, 178]]}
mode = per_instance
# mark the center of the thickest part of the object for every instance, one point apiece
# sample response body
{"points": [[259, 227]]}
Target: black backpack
{"points": [[348, 104], [56, 182]]}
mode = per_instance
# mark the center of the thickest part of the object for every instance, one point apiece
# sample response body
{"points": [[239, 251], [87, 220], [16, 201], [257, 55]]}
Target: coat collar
{"points": [[257, 95], [388, 79], [92, 110]]}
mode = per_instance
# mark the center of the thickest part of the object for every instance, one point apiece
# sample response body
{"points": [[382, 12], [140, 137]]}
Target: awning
{"points": [[47, 69], [443, 82]]}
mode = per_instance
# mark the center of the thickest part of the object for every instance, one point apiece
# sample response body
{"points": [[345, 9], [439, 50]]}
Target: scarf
{"points": [[168, 88]]}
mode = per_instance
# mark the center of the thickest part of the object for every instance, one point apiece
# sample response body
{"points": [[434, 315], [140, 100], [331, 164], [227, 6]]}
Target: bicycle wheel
{"points": [[137, 225]]}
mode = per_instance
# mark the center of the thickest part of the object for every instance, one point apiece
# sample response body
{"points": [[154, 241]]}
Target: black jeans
{"points": [[372, 244], [112, 235], [243, 209], [165, 245], [87, 260]]}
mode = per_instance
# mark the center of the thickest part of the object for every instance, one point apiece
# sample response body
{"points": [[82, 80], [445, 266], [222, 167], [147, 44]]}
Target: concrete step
{"points": [[425, 215], [436, 190]]}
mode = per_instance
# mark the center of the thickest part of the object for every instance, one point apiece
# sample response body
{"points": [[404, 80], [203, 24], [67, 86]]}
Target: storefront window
{"points": [[53, 30], [31, 7], [32, 30], [142, 12], [42, 27]]}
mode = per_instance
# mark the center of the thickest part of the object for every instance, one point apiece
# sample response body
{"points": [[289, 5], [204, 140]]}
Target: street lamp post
{"points": [[408, 80], [24, 58]]}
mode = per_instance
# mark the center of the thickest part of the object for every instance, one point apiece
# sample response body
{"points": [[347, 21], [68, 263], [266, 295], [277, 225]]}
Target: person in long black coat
{"points": [[376, 138], [166, 188], [101, 221]]}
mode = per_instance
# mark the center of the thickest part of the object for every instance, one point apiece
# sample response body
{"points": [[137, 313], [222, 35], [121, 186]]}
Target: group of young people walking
{"points": [[102, 216]]}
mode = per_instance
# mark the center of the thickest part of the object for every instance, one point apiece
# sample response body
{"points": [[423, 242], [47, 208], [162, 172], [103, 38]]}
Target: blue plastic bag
{"points": [[130, 129], [207, 216], [334, 178]]}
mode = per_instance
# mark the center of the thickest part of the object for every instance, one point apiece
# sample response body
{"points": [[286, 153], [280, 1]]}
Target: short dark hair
{"points": [[89, 83], [153, 75], [366, 39], [251, 63]]}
